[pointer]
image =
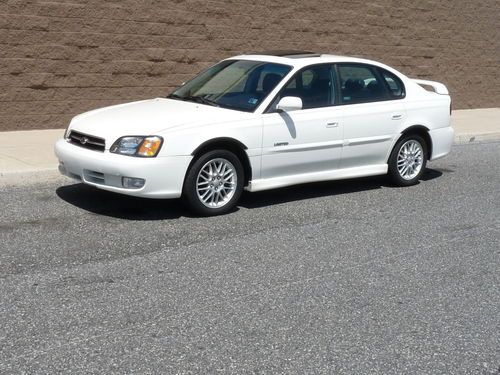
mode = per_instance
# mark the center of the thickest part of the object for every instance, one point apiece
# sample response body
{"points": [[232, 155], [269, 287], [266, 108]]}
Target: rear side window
{"points": [[394, 84], [360, 84]]}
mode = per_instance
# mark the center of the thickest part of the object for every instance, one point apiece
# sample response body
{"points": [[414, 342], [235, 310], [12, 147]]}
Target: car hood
{"points": [[148, 117]]}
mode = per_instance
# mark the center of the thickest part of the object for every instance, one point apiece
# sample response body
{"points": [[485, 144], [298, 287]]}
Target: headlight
{"points": [[137, 146]]}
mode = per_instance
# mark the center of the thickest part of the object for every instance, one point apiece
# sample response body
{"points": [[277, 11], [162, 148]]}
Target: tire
{"points": [[408, 160], [214, 183]]}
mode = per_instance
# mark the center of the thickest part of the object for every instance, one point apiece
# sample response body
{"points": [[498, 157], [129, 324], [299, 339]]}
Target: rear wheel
{"points": [[408, 160], [214, 183]]}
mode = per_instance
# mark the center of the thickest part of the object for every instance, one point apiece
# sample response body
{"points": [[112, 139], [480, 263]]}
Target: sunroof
{"points": [[290, 53]]}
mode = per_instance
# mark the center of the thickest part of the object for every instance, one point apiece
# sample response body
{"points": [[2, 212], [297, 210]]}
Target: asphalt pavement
{"points": [[344, 277]]}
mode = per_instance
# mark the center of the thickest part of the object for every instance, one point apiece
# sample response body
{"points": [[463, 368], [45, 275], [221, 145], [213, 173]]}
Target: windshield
{"points": [[234, 84]]}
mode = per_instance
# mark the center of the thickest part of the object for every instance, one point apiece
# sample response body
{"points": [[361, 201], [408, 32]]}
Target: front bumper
{"points": [[164, 176]]}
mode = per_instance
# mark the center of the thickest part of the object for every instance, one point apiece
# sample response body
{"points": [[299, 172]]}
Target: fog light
{"points": [[133, 183]]}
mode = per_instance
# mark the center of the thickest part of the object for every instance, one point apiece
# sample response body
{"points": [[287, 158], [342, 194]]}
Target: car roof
{"points": [[299, 59]]}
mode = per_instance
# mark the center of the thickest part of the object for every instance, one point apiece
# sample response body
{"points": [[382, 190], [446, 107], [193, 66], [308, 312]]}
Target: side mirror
{"points": [[289, 103]]}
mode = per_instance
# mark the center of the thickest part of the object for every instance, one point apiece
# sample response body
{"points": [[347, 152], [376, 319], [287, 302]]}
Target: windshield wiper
{"points": [[194, 98], [174, 96]]}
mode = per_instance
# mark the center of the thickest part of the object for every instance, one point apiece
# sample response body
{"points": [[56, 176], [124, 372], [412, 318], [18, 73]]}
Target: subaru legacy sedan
{"points": [[262, 121]]}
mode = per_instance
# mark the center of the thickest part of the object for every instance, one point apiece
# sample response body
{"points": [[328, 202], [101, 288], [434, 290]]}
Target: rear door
{"points": [[372, 113]]}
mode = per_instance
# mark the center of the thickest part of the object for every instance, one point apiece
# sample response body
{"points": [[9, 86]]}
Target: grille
{"points": [[87, 141]]}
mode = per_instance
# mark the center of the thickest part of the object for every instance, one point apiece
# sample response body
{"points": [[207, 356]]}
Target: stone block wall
{"points": [[62, 57]]}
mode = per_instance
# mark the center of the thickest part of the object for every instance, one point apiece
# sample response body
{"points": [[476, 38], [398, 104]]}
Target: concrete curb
{"points": [[476, 125], [27, 157], [51, 174], [461, 139]]}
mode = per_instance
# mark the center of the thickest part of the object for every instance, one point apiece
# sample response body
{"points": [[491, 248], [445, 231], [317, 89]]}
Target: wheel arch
{"points": [[422, 131], [229, 144]]}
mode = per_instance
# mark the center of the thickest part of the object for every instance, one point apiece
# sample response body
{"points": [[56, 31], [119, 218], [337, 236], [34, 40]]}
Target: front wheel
{"points": [[214, 183], [407, 161]]}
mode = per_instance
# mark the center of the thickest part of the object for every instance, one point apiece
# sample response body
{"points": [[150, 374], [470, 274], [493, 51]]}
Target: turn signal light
{"points": [[150, 146]]}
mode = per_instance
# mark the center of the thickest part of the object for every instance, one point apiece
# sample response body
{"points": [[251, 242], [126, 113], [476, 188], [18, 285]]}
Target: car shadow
{"points": [[101, 202], [322, 189], [120, 206]]}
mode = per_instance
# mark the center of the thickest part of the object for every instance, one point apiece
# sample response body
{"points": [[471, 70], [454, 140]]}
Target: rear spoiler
{"points": [[438, 88]]}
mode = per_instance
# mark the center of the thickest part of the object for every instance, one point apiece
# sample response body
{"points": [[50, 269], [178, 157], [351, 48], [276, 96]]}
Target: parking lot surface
{"points": [[343, 277]]}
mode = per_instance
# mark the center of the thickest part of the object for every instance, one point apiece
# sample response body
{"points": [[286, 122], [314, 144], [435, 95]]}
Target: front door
{"points": [[307, 140]]}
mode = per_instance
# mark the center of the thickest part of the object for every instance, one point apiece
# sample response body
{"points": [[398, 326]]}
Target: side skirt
{"points": [[336, 174]]}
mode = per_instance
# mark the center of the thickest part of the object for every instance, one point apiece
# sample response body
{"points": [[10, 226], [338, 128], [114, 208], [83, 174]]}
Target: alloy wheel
{"points": [[216, 183], [410, 159]]}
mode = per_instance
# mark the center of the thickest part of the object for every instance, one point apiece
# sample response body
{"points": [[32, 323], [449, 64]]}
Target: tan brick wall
{"points": [[59, 58]]}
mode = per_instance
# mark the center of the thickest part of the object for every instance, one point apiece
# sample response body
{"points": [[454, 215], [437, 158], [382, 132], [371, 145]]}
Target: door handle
{"points": [[332, 124], [397, 116]]}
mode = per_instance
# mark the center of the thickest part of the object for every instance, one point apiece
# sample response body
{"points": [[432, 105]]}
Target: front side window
{"points": [[314, 85], [235, 84], [360, 84]]}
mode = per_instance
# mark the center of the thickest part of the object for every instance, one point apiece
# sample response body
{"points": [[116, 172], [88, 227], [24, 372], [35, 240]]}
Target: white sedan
{"points": [[262, 121]]}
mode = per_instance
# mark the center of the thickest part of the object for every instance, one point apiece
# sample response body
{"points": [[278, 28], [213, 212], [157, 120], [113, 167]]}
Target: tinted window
{"points": [[360, 84], [270, 75], [313, 85], [396, 87]]}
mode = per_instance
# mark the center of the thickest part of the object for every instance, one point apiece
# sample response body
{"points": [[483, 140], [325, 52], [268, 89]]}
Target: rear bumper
{"points": [[164, 176], [442, 140]]}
